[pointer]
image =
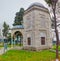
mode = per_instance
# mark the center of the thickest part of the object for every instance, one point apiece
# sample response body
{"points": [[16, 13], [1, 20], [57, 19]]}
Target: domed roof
{"points": [[37, 4]]}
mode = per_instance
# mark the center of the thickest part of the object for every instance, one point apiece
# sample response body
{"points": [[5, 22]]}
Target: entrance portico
{"points": [[17, 34]]}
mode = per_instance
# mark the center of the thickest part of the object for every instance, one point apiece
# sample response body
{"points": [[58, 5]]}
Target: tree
{"points": [[53, 23], [52, 4], [5, 29], [19, 17]]}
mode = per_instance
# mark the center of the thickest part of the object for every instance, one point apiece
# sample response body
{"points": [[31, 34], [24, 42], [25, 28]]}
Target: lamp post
{"points": [[56, 31], [5, 44]]}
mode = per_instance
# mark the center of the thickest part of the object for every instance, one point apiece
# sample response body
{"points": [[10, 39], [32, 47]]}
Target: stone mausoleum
{"points": [[35, 33]]}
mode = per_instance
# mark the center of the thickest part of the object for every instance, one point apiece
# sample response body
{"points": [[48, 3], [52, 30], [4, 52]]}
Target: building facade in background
{"points": [[57, 13], [58, 21], [1, 36]]}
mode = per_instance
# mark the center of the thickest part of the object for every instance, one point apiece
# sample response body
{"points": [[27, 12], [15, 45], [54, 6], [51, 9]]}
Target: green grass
{"points": [[54, 47], [22, 55]]}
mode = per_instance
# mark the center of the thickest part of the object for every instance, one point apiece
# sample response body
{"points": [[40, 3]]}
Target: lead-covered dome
{"points": [[37, 4]]}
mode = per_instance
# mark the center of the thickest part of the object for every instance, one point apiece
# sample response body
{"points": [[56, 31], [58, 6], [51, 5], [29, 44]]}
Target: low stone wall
{"points": [[35, 48], [29, 48]]}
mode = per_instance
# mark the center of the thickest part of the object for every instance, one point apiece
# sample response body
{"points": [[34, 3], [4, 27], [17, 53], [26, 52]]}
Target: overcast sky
{"points": [[8, 8]]}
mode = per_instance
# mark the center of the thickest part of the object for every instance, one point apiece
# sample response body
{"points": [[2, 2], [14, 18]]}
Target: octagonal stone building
{"points": [[35, 32], [37, 27]]}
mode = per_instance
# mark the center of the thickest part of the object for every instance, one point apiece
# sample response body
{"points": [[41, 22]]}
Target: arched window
{"points": [[29, 41]]}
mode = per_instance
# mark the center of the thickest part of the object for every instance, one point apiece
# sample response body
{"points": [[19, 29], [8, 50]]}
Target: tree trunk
{"points": [[56, 31]]}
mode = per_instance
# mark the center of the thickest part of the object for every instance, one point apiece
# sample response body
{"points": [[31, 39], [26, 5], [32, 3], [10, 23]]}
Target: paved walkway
{"points": [[2, 50], [54, 51]]}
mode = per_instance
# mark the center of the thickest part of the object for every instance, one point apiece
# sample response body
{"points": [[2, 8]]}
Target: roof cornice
{"points": [[36, 8]]}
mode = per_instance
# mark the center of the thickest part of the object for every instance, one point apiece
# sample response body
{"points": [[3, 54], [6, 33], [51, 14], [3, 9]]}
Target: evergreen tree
{"points": [[5, 29], [19, 17]]}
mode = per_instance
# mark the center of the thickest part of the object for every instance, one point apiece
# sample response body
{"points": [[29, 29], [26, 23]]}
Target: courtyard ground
{"points": [[23, 55]]}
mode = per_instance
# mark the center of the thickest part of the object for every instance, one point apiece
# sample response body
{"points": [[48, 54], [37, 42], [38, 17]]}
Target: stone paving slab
{"points": [[54, 51], [2, 50]]}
